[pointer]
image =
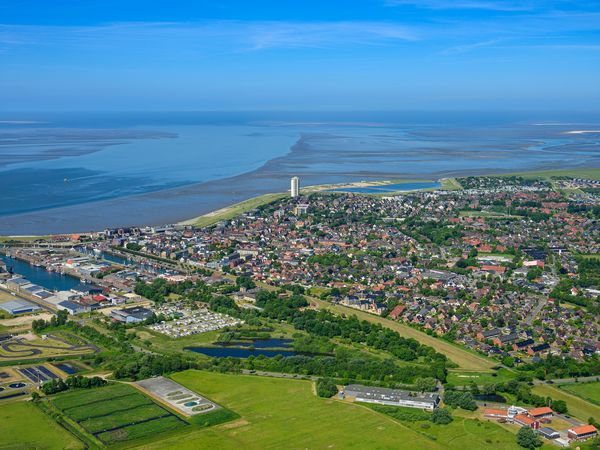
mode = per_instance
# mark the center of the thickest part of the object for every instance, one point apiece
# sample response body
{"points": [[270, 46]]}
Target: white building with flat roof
{"points": [[394, 397], [295, 187]]}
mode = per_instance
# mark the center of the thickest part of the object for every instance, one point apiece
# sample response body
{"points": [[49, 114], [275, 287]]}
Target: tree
{"points": [[508, 361], [326, 387], [441, 416], [560, 406], [459, 399], [426, 384], [527, 438]]}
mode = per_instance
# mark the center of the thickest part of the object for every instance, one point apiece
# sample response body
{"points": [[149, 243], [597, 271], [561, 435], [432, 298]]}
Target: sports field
{"points": [[587, 391], [281, 413], [578, 407], [23, 426], [116, 413]]}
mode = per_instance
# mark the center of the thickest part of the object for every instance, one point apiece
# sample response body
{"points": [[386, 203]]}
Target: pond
{"points": [[16, 385], [224, 352], [259, 343], [495, 398], [387, 188]]}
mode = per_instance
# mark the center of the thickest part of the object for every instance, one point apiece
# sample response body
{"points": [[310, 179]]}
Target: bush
{"points": [[527, 438], [402, 413], [560, 406], [441, 416], [464, 400], [326, 387]]}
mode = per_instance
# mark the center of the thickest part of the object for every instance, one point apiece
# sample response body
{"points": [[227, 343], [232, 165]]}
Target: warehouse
{"points": [[19, 307], [395, 397]]}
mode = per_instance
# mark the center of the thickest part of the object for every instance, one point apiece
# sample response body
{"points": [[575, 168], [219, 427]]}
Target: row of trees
{"points": [[72, 382]]}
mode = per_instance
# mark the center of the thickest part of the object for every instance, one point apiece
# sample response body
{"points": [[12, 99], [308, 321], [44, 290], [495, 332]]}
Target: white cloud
{"points": [[232, 35]]}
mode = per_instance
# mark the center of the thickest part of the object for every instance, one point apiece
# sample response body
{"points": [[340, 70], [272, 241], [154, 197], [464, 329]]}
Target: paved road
{"points": [[535, 311], [569, 380], [278, 375]]}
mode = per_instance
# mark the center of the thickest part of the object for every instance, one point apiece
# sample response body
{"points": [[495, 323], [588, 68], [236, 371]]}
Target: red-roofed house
{"points": [[526, 421], [540, 413], [397, 311], [582, 433]]}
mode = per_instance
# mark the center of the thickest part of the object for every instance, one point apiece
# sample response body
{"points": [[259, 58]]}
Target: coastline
{"points": [[317, 158], [233, 209]]}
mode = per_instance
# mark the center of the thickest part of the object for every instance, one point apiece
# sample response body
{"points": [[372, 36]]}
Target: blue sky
{"points": [[300, 55]]}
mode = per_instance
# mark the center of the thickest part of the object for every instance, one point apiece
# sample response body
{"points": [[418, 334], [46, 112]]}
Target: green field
{"points": [[116, 413], [465, 433], [234, 210], [587, 391], [578, 407], [463, 378], [24, 426], [450, 184], [281, 413]]}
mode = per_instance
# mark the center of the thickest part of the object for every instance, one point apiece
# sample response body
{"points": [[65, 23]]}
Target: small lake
{"points": [[224, 352], [259, 343], [38, 275], [387, 188]]}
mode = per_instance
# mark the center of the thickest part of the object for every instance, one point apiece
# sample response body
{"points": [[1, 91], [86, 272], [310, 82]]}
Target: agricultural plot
{"points": [[117, 413]]}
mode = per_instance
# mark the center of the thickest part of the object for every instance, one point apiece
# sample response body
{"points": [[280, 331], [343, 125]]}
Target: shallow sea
{"points": [[68, 172]]}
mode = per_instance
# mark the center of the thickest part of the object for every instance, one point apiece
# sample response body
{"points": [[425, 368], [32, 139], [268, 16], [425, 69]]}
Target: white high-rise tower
{"points": [[295, 187]]}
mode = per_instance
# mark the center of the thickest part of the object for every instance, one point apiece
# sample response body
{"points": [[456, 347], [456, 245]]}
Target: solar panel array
{"points": [[38, 374]]}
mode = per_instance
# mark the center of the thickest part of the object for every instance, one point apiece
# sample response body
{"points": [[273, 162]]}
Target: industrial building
{"points": [[394, 397], [131, 315], [549, 433], [19, 306]]}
